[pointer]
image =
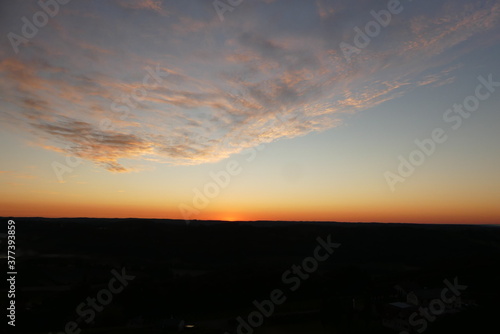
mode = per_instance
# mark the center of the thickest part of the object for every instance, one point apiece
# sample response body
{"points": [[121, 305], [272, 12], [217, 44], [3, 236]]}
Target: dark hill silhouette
{"points": [[210, 272]]}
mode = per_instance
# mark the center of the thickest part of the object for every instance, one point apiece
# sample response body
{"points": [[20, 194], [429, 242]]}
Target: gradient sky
{"points": [[86, 130]]}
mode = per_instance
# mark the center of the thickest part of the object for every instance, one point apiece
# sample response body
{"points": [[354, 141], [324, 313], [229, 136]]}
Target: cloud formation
{"points": [[134, 81]]}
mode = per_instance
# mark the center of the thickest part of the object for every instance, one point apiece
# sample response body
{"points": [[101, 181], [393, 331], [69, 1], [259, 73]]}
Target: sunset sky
{"points": [[124, 108]]}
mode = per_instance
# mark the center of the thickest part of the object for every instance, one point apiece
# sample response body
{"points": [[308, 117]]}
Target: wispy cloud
{"points": [[153, 5], [254, 78]]}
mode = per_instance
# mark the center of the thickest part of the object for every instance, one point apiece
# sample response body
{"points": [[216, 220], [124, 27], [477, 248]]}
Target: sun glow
{"points": [[230, 218]]}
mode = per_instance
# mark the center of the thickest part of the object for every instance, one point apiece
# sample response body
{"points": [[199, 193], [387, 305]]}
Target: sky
{"points": [[355, 111]]}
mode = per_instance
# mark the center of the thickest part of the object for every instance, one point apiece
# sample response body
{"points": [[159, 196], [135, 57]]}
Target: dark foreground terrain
{"points": [[164, 276]]}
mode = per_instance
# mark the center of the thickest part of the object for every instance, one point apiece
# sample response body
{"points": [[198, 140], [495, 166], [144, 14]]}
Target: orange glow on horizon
{"points": [[54, 210]]}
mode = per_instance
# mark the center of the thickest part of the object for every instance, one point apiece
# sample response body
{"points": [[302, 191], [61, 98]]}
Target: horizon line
{"points": [[256, 221]]}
